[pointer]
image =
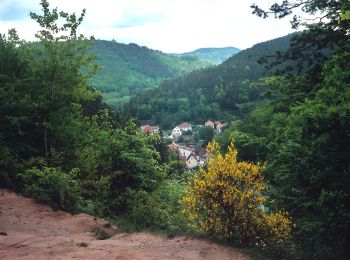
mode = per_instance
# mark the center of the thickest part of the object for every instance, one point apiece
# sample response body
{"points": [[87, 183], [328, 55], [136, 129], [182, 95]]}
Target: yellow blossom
{"points": [[227, 200]]}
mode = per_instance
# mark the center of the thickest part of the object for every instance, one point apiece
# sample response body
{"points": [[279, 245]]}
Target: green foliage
{"points": [[146, 211], [303, 133], [314, 180], [206, 134], [160, 210], [218, 92], [48, 111], [53, 186], [127, 69], [60, 144], [253, 148]]}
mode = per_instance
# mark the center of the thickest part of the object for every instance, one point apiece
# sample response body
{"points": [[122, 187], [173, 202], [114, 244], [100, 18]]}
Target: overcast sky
{"points": [[166, 25]]}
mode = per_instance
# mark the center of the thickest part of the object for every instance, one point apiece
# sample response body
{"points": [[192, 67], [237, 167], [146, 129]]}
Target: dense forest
{"points": [[126, 69], [278, 179], [213, 55], [221, 93]]}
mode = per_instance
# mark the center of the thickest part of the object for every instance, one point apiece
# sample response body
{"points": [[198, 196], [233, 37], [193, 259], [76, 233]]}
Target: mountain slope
{"points": [[214, 55], [128, 68], [220, 92]]}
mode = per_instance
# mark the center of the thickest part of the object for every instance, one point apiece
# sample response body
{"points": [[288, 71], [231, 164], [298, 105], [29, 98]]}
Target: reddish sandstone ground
{"points": [[34, 231]]}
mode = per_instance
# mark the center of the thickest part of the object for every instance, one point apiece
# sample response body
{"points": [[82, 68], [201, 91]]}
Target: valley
{"points": [[114, 150]]}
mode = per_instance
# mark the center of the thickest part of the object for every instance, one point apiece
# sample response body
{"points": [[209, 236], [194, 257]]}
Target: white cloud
{"points": [[167, 25]]}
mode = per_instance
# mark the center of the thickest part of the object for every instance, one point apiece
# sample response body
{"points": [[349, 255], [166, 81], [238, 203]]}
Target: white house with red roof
{"points": [[209, 123], [176, 132], [185, 126]]}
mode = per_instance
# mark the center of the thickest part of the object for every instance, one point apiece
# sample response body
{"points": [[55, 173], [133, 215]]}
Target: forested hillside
{"points": [[126, 69], [276, 180], [221, 92], [214, 55]]}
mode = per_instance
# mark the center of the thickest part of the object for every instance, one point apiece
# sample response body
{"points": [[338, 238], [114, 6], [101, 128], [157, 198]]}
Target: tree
{"points": [[206, 134], [15, 107], [308, 154], [227, 200], [60, 69], [308, 132], [327, 31]]}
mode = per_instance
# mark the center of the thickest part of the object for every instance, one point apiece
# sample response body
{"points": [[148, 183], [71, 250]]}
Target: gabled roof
{"points": [[209, 122], [185, 125], [149, 128], [192, 155], [173, 146], [144, 126], [219, 126]]}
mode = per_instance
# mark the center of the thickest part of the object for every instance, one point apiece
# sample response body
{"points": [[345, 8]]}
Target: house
{"points": [[220, 127], [216, 125], [209, 123], [149, 129], [191, 161], [176, 132], [185, 151], [173, 146], [202, 156], [185, 126]]}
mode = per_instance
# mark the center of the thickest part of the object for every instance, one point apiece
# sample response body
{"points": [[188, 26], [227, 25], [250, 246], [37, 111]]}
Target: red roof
{"points": [[149, 128], [185, 125], [173, 146], [219, 126], [209, 123]]}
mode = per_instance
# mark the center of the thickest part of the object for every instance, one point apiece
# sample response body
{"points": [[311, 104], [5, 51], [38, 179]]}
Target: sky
{"points": [[171, 26]]}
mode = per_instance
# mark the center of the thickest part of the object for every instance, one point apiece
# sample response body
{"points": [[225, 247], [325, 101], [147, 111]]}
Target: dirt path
{"points": [[34, 231]]}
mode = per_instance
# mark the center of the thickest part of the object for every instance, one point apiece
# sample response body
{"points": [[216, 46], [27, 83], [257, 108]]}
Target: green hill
{"points": [[220, 92], [214, 55], [128, 68]]}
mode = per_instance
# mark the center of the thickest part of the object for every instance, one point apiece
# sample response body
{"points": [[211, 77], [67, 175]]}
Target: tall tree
{"points": [[61, 67], [328, 31], [309, 131]]}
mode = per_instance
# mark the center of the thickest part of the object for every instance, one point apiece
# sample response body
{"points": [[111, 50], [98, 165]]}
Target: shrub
{"points": [[145, 211], [226, 200], [52, 185]]}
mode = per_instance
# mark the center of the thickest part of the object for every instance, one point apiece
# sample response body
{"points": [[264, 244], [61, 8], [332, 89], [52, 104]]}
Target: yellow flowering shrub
{"points": [[226, 200]]}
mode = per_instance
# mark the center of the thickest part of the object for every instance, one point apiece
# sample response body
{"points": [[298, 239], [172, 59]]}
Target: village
{"points": [[188, 141]]}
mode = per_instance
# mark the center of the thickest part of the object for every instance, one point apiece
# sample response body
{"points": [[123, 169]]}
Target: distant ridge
{"points": [[213, 55], [221, 92], [127, 69]]}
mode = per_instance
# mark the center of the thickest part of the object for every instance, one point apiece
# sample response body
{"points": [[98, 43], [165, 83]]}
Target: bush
{"points": [[170, 193], [52, 185], [145, 211], [226, 200], [160, 210]]}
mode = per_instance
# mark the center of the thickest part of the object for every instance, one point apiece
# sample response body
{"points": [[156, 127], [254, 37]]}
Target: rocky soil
{"points": [[30, 230]]}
